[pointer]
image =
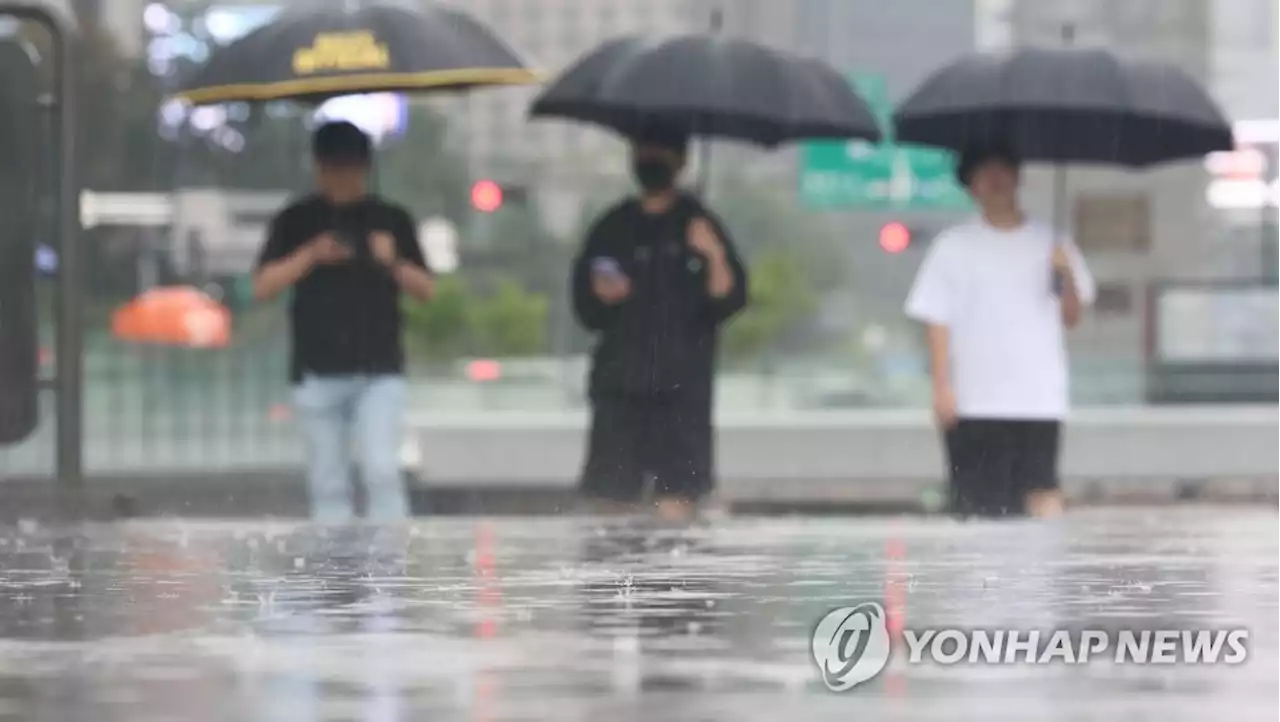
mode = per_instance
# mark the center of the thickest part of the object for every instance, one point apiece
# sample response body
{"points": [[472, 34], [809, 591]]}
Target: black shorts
{"points": [[635, 442], [995, 463]]}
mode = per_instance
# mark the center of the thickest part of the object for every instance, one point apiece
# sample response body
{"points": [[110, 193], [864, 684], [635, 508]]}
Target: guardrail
{"points": [[527, 463], [864, 456]]}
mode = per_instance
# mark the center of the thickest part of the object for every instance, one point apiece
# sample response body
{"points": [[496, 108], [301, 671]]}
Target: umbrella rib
{"points": [[615, 73], [793, 78], [1126, 96], [722, 73], [451, 38], [1006, 83]]}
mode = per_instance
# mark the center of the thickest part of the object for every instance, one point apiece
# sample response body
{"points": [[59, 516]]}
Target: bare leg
{"points": [[1045, 504], [605, 507], [675, 509]]}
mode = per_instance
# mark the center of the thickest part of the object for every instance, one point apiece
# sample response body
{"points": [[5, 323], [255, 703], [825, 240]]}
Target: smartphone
{"points": [[607, 267], [347, 229]]}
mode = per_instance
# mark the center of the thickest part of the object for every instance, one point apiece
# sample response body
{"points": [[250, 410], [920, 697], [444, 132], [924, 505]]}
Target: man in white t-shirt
{"points": [[997, 294]]}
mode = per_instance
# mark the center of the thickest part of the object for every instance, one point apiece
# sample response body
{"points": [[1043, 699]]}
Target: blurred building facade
{"points": [[903, 40], [1243, 71], [1245, 77], [123, 18], [551, 34]]}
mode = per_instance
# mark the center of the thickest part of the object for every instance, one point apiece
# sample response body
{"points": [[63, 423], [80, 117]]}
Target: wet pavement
{"points": [[587, 619]]}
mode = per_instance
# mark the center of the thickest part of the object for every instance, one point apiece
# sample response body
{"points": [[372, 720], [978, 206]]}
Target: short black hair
{"points": [[663, 135], [977, 155], [341, 142]]}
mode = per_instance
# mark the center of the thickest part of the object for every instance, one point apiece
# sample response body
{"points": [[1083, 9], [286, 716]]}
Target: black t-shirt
{"points": [[345, 317]]}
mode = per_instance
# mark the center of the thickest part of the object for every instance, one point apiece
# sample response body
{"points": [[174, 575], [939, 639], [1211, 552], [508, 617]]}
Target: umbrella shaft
{"points": [[1060, 230]]}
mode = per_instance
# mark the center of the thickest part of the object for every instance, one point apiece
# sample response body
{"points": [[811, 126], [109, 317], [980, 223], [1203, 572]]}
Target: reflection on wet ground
{"points": [[584, 619]]}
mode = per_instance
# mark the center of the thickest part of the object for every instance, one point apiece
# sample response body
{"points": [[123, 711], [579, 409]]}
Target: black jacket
{"points": [[661, 340]]}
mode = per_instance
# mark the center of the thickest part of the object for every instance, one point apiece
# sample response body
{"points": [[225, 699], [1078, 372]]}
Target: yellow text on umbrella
{"points": [[329, 52]]}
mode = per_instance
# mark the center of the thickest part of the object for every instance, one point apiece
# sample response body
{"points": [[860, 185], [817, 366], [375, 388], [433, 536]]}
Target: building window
{"points": [[1113, 222]]}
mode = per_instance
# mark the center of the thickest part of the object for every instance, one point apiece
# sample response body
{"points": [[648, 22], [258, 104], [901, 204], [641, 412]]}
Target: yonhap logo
{"points": [[851, 645]]}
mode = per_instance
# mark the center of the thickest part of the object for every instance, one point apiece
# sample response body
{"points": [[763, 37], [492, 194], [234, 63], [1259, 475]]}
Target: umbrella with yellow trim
{"points": [[315, 54]]}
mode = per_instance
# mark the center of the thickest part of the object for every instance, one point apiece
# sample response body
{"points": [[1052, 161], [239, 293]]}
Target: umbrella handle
{"points": [[704, 146], [1059, 220], [704, 167]]}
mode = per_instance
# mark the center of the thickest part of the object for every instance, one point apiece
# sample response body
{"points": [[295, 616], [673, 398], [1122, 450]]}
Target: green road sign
{"points": [[857, 174]]}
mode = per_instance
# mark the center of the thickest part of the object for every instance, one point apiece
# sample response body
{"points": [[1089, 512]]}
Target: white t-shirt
{"points": [[993, 290]]}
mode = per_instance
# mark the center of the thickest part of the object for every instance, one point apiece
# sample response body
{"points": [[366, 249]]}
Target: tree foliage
{"points": [[761, 218], [781, 300], [438, 330], [509, 321], [795, 261]]}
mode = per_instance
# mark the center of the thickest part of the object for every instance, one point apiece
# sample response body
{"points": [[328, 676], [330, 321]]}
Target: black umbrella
{"points": [[313, 54], [710, 86], [1066, 105]]}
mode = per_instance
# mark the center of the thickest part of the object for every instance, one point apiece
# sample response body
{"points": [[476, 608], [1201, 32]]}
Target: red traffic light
{"points": [[486, 196], [895, 237], [484, 370]]}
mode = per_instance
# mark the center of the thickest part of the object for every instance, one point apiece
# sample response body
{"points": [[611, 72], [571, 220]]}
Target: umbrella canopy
{"points": [[708, 86], [1066, 105], [173, 316], [314, 54]]}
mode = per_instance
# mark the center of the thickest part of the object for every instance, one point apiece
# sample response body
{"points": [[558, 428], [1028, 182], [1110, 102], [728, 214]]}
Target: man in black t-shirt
{"points": [[348, 256], [656, 280]]}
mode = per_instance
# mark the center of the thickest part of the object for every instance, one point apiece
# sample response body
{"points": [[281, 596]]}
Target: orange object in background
{"points": [[174, 316]]}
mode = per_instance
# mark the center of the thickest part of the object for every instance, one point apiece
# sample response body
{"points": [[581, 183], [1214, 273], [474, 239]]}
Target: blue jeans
{"points": [[361, 414]]}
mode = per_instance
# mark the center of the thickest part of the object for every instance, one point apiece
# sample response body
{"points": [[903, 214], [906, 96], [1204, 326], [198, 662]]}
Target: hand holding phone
{"points": [[327, 249], [605, 266], [1061, 268], [608, 281]]}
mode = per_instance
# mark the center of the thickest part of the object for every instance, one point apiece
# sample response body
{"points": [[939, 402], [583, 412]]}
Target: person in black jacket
{"points": [[656, 279]]}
